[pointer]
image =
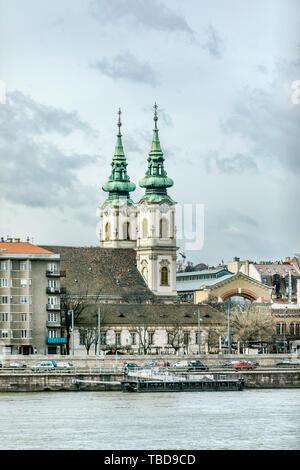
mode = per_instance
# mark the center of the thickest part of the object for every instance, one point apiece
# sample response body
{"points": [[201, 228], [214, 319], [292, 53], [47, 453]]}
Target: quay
{"points": [[28, 381]]}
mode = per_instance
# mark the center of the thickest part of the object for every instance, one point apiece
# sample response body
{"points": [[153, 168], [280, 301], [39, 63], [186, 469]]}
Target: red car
{"points": [[244, 366], [162, 364]]}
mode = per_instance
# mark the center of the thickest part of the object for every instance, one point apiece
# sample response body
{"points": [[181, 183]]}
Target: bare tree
{"points": [[139, 296], [145, 342], [77, 303], [89, 338], [251, 325], [175, 337]]}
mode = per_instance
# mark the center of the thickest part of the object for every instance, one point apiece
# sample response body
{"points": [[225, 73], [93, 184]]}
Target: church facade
{"points": [[148, 225]]}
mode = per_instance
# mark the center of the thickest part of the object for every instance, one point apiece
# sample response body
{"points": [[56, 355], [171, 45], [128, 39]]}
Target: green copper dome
{"points": [[119, 185], [156, 180]]}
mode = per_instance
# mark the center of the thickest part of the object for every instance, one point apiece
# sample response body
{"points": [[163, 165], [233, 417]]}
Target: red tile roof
{"points": [[24, 248]]}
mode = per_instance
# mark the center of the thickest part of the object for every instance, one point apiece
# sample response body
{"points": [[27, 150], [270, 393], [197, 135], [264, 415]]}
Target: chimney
{"points": [[247, 267], [298, 291]]}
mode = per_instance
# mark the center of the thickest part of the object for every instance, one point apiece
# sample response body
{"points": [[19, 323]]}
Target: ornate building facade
{"points": [[148, 226]]}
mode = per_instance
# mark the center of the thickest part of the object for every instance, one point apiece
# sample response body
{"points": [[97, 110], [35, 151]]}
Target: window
{"points": [[186, 338], [23, 299], [118, 338], [280, 328], [24, 334], [23, 282], [294, 328], [11, 333], [4, 334], [3, 266], [126, 231], [145, 228], [163, 228], [4, 282], [82, 338], [4, 316], [52, 267], [52, 284], [164, 277], [23, 317], [23, 266], [4, 299], [133, 338], [52, 334], [52, 300], [52, 317], [107, 231]]}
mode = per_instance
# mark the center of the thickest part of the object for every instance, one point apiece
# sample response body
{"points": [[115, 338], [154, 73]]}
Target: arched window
{"points": [[107, 231], [126, 231], [145, 228], [164, 276], [163, 228]]}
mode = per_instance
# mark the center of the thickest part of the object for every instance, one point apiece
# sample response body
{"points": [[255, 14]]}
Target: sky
{"points": [[223, 75]]}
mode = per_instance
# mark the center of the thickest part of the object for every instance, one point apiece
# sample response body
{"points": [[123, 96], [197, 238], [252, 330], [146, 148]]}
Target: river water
{"points": [[251, 419]]}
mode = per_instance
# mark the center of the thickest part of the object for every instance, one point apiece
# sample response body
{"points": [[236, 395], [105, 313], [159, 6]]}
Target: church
{"points": [[148, 225]]}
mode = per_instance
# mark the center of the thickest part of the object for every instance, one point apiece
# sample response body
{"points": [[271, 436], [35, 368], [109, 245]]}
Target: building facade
{"points": [[30, 290]]}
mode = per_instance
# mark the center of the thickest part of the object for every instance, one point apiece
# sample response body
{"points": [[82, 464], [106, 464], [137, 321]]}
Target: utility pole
{"points": [[99, 331], [228, 328], [199, 320], [71, 312]]}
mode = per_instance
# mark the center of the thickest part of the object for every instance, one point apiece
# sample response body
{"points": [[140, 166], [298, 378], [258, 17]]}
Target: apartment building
{"points": [[30, 320]]}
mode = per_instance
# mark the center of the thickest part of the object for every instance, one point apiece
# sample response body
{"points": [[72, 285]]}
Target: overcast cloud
{"points": [[221, 73]]}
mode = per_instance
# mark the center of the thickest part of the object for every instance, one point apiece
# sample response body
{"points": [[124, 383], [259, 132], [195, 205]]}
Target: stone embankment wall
{"points": [[62, 381]]}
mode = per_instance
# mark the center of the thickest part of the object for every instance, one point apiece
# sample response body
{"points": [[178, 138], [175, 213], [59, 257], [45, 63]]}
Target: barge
{"points": [[203, 383]]}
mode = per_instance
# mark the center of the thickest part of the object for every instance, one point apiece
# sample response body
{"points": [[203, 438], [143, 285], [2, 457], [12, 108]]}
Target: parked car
{"points": [[0, 365], [16, 365], [182, 364], [290, 362], [197, 365], [230, 364], [253, 362], [149, 364], [65, 365], [243, 365], [162, 364], [129, 366], [44, 365]]}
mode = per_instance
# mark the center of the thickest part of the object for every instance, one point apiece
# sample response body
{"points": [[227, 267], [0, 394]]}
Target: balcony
{"points": [[56, 340], [56, 273], [52, 308], [53, 290]]}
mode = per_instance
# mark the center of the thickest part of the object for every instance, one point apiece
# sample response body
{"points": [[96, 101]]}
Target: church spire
{"points": [[156, 180], [119, 185]]}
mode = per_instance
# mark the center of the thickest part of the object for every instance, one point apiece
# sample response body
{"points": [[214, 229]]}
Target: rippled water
{"points": [[252, 419]]}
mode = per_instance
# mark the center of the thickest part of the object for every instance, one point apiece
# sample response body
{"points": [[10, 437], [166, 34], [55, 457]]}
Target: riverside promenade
{"points": [[105, 373]]}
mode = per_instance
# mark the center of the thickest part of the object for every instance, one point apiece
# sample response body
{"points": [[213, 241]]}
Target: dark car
{"points": [[288, 363], [197, 365], [16, 365], [129, 366]]}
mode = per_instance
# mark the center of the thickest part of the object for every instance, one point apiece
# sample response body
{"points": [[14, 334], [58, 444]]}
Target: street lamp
{"points": [[228, 329], [71, 312], [199, 320], [99, 333], [284, 327]]}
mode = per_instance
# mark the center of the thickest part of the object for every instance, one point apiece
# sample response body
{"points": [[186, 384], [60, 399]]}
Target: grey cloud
{"points": [[153, 15], [268, 121], [214, 43], [127, 66], [234, 164], [34, 172], [22, 114]]}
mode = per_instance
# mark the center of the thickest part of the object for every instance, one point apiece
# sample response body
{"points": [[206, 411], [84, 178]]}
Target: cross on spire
{"points": [[155, 115], [119, 121]]}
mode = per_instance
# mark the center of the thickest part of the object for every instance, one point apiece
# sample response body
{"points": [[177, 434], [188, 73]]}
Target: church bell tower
{"points": [[118, 212], [156, 235]]}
